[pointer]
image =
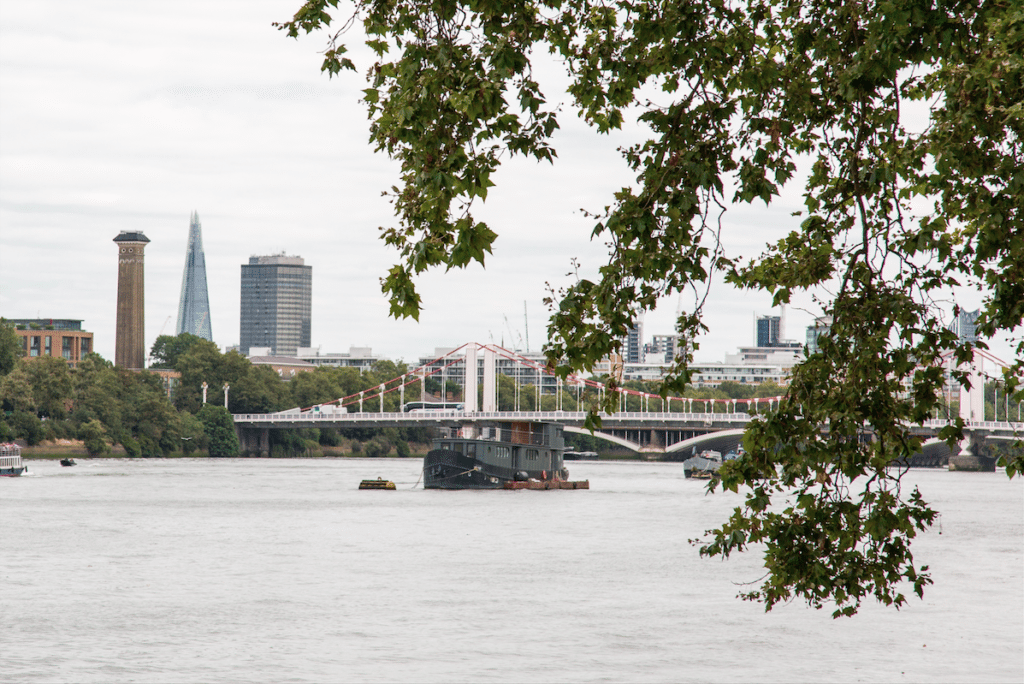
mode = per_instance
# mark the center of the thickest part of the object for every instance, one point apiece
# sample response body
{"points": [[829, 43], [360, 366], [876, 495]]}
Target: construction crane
{"points": [[526, 325], [512, 335]]}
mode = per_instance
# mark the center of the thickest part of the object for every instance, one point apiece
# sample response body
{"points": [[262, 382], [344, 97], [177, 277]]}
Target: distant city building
{"points": [[439, 365], [662, 348], [785, 355], [965, 326], [822, 325], [194, 304], [769, 331], [706, 374], [130, 335], [714, 374], [357, 357], [60, 337], [276, 303], [633, 345], [287, 367], [170, 379]]}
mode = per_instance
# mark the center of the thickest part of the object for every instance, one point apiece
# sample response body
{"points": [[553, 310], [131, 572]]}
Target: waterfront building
{"points": [[710, 374], [276, 304], [129, 340], [785, 355], [286, 367], [194, 303], [714, 374], [60, 337], [357, 357], [453, 368]]}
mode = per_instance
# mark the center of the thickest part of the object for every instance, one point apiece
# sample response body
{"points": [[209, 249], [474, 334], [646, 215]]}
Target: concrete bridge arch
{"points": [[722, 440], [632, 446]]}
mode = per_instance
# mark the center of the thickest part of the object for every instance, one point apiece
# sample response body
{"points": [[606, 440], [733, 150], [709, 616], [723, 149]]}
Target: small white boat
{"points": [[10, 461]]}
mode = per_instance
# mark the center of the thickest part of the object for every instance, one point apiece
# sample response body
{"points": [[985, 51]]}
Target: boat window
{"points": [[458, 447], [446, 446], [471, 449]]}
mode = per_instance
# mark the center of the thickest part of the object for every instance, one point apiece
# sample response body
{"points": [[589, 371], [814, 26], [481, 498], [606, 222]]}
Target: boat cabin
{"points": [[530, 447]]}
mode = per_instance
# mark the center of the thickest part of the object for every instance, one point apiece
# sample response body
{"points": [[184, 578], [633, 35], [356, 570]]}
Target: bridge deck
{"points": [[653, 420]]}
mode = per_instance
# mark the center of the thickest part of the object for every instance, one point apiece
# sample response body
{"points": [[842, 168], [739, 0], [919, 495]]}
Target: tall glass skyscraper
{"points": [[194, 306], [277, 294]]}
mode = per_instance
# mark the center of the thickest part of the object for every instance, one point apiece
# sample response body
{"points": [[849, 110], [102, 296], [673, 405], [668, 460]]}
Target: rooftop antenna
{"points": [[526, 326]]}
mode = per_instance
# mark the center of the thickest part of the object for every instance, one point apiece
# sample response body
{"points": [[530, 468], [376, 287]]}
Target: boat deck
{"points": [[547, 484]]}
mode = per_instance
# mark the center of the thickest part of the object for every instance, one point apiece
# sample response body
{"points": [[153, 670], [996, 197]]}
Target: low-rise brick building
{"points": [[58, 337]]}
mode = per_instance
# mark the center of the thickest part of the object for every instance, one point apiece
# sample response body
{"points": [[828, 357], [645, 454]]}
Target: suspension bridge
{"points": [[645, 422]]}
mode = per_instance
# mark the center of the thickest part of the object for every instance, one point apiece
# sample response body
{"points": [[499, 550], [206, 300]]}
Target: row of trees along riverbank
{"points": [[102, 405]]}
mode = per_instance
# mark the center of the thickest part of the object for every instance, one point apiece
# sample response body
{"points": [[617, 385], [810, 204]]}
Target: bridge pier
{"points": [[253, 441], [970, 459]]}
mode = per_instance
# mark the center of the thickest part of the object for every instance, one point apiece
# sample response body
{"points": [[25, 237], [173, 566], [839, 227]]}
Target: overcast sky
{"points": [[128, 116]]}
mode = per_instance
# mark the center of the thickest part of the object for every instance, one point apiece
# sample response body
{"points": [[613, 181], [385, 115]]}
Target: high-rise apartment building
{"points": [[821, 326], [194, 304], [129, 341], [965, 325], [277, 293], [633, 346], [662, 348], [769, 331]]}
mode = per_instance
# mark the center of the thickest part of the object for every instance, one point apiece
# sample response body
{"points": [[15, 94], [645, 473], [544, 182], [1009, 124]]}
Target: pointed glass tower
{"points": [[194, 307]]}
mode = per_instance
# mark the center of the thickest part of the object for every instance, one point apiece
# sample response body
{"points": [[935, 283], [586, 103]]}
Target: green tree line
{"points": [[104, 405]]}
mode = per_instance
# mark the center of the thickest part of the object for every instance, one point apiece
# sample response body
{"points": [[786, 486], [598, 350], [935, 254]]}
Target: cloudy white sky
{"points": [[128, 116]]}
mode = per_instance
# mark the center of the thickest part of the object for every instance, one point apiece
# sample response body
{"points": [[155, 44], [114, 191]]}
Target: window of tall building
{"points": [[86, 344], [66, 348], [49, 345], [33, 348]]}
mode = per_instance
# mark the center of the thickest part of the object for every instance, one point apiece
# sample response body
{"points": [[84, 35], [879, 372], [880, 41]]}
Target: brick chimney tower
{"points": [[130, 339]]}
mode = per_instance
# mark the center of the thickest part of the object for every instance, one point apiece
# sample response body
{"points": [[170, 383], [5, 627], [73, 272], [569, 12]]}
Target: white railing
{"points": [[434, 416], [615, 420], [977, 424]]}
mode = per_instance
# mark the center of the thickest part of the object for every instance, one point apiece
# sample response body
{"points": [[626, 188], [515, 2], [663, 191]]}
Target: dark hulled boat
{"points": [[703, 467], [488, 457]]}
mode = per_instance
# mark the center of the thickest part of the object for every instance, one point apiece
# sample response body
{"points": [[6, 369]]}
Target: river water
{"points": [[282, 571]]}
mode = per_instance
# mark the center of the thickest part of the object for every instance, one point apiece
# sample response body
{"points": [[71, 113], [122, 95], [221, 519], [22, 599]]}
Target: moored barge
{"points": [[703, 467], [514, 455]]}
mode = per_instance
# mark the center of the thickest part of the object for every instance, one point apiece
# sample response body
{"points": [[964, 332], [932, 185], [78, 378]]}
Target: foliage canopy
{"points": [[733, 95]]}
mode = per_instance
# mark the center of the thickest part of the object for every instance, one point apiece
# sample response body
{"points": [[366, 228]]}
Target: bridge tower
{"points": [[972, 409]]}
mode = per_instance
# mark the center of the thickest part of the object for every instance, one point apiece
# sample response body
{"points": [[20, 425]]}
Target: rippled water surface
{"points": [[281, 570]]}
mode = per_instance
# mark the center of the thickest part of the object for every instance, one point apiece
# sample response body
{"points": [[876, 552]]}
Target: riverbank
{"points": [[72, 448], [69, 448]]}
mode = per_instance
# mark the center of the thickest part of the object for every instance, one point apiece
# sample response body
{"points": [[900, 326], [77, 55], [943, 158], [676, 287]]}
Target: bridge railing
{"points": [[510, 416], [977, 424]]}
